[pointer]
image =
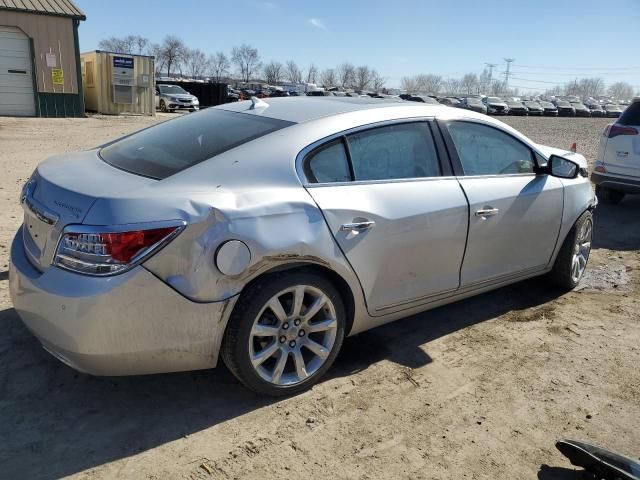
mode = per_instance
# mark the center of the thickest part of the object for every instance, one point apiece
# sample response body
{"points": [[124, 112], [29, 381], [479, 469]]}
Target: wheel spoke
{"points": [[314, 308], [276, 307], [574, 267], [316, 348], [279, 368], [260, 357], [298, 297], [260, 330], [301, 368], [321, 326], [582, 262]]}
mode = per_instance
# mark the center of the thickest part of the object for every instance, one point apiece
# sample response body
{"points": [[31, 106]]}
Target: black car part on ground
{"points": [[601, 463]]}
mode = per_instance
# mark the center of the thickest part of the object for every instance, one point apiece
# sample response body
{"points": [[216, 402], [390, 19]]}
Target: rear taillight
{"points": [[111, 250], [600, 169], [614, 130]]}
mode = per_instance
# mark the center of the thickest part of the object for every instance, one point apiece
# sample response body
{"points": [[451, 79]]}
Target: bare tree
{"points": [[469, 83], [621, 91], [429, 83], [312, 73], [159, 63], [329, 78], [377, 81], [247, 60], [196, 63], [409, 84], [292, 72], [554, 92], [497, 87], [273, 72], [219, 66], [591, 87], [451, 85], [131, 44], [345, 75], [172, 53], [361, 78]]}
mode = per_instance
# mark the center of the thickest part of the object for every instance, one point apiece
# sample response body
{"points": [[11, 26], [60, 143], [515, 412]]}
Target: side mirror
{"points": [[562, 167]]}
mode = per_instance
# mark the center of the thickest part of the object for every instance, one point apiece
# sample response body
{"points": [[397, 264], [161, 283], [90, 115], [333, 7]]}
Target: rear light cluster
{"points": [[107, 250], [614, 130]]}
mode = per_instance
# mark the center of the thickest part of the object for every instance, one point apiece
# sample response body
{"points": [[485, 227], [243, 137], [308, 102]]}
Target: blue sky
{"points": [[551, 41]]}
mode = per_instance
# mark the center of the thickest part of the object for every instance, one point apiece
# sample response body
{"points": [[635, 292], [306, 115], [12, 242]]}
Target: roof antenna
{"points": [[257, 103]]}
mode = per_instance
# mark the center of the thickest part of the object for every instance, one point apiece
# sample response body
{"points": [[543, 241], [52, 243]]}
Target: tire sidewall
{"points": [[236, 354]]}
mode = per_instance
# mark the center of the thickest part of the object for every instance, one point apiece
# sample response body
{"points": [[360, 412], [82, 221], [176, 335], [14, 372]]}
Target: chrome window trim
{"points": [[300, 157], [374, 182]]}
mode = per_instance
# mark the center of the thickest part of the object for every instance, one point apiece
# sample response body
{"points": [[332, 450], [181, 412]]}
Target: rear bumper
{"points": [[127, 324], [616, 182]]}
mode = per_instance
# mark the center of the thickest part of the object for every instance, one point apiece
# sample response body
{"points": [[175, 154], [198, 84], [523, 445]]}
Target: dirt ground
{"points": [[480, 389]]}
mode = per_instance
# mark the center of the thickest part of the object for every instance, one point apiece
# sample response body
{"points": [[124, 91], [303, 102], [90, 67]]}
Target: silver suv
{"points": [[173, 97]]}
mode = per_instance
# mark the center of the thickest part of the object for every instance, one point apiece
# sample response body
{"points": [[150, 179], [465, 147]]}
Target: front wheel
{"points": [[284, 333], [163, 106], [573, 257]]}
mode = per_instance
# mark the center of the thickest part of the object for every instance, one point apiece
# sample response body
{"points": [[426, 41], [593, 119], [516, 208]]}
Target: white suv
{"points": [[617, 168]]}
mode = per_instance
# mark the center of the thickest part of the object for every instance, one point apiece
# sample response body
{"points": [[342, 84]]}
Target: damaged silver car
{"points": [[264, 233]]}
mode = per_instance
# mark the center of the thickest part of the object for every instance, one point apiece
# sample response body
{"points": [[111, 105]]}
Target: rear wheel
{"points": [[573, 257], [608, 195], [284, 333]]}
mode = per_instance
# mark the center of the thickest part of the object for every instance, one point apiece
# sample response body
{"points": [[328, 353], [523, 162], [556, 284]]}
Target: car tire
{"points": [[163, 106], [609, 196], [573, 257], [254, 330]]}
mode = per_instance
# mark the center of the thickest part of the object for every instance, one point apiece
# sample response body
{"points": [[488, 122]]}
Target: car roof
{"points": [[304, 109]]}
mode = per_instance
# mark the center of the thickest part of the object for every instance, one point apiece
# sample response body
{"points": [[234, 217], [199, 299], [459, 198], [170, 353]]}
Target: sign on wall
{"points": [[52, 61], [122, 62], [57, 74]]}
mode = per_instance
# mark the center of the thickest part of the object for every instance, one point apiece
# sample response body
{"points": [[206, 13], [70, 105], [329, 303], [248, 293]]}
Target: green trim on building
{"points": [[76, 44], [59, 104], [33, 76]]}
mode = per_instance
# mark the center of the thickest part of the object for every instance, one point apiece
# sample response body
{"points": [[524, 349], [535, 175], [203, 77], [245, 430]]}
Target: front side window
{"points": [[484, 150], [394, 152]]}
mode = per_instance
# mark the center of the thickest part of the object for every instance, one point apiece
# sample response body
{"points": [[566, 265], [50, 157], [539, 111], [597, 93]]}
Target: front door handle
{"points": [[487, 212], [357, 226]]}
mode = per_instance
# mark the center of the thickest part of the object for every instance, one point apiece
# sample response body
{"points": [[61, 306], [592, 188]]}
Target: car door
{"points": [[399, 221], [515, 214]]}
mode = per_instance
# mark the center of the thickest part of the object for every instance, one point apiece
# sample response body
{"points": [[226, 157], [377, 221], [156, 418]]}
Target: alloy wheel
{"points": [[293, 335], [581, 251]]}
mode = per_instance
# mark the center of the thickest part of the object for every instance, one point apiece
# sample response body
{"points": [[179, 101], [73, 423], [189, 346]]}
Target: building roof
{"points": [[63, 8]]}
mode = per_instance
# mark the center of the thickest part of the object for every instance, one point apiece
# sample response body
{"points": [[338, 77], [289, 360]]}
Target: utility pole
{"points": [[491, 67], [507, 72]]}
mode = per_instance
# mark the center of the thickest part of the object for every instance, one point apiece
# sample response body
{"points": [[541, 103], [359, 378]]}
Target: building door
{"points": [[16, 81]]}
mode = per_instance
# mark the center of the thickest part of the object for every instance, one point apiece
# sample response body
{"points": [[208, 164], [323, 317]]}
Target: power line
{"points": [[578, 68]]}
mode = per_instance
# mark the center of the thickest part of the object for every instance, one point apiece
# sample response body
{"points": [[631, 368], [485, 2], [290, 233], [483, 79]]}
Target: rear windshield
{"points": [[631, 116], [173, 146]]}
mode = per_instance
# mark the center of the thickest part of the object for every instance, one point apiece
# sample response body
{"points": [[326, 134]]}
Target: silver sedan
{"points": [[264, 232]]}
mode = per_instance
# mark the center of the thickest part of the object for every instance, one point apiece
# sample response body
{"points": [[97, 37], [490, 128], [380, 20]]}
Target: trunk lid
{"points": [[61, 192]]}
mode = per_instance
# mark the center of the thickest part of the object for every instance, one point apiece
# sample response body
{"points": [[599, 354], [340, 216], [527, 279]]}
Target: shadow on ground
{"points": [[57, 422], [558, 473], [617, 227]]}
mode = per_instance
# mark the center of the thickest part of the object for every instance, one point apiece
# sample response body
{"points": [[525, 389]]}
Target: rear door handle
{"points": [[357, 226], [487, 212]]}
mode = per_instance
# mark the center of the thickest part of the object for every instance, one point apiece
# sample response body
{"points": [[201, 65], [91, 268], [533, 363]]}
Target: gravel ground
{"points": [[480, 389], [561, 132]]}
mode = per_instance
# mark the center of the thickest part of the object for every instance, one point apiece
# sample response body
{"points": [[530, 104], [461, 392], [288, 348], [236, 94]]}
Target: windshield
{"points": [[546, 104], [532, 104], [514, 104], [473, 101], [494, 100], [611, 106], [577, 104], [176, 145], [172, 89], [563, 104]]}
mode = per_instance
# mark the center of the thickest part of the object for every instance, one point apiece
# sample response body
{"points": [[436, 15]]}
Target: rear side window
{"points": [[485, 150], [327, 164], [394, 152], [170, 147], [631, 116]]}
